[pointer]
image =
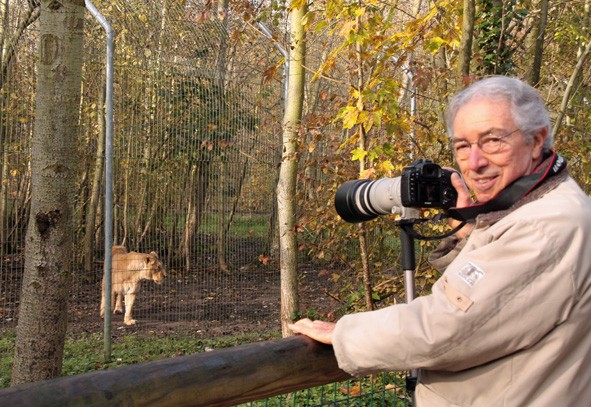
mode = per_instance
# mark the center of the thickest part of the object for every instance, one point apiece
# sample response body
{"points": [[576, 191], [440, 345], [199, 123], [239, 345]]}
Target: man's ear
{"points": [[538, 142]]}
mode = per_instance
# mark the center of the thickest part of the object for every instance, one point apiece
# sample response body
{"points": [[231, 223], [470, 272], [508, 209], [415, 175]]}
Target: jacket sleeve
{"points": [[505, 290], [446, 252]]}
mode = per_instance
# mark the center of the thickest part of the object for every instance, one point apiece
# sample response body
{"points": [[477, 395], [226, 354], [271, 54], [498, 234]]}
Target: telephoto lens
{"points": [[362, 200]]}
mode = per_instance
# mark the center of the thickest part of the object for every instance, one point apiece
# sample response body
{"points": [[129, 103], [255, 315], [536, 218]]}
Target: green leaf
{"points": [[433, 45]]}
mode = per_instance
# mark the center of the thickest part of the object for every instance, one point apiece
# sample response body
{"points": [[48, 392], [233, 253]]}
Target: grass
{"points": [[243, 225], [6, 350], [84, 353]]}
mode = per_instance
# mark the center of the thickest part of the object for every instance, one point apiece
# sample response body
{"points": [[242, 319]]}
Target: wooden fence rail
{"points": [[224, 377]]}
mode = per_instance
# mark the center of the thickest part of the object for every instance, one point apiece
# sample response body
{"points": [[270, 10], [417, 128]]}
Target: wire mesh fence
{"points": [[198, 100], [386, 389], [197, 135], [195, 159]]}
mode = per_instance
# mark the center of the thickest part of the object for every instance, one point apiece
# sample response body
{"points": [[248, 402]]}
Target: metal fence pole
{"points": [[108, 170], [267, 32]]}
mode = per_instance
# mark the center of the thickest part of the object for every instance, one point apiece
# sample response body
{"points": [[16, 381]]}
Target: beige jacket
{"points": [[509, 321]]}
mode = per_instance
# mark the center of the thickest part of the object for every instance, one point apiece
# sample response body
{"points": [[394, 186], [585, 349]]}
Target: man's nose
{"points": [[477, 158]]}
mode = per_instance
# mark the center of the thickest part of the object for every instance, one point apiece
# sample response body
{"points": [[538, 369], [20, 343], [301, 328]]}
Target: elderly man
{"points": [[509, 321]]}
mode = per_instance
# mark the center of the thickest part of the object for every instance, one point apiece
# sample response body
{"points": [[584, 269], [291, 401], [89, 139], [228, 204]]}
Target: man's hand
{"points": [[464, 200], [458, 183], [318, 330]]}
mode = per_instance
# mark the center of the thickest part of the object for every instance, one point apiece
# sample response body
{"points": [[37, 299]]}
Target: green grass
{"points": [[84, 353], [6, 351], [243, 225]]}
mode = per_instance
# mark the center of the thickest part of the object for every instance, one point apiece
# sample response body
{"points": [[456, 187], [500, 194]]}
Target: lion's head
{"points": [[157, 272]]}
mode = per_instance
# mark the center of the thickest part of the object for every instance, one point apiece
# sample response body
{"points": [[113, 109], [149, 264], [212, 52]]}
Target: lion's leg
{"points": [[117, 302], [102, 303], [129, 300], [103, 297]]}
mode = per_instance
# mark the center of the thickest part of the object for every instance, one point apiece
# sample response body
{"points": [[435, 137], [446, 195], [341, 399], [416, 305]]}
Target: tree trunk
{"points": [[41, 328], [222, 15], [286, 187], [95, 188], [467, 35], [363, 251], [197, 188], [570, 88], [3, 151], [578, 97], [189, 229], [8, 43], [408, 87], [536, 44]]}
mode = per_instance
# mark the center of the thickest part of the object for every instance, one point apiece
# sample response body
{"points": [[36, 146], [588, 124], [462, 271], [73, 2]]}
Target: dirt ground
{"points": [[206, 304]]}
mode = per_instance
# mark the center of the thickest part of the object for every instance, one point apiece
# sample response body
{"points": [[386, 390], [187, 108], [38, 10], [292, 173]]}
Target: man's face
{"points": [[487, 174]]}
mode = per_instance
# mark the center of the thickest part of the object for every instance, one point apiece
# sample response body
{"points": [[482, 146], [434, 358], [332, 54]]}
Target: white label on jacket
{"points": [[471, 274]]}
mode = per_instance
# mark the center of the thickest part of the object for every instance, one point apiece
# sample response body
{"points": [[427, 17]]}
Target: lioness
{"points": [[128, 269]]}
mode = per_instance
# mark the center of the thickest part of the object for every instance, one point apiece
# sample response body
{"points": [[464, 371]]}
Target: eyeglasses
{"points": [[489, 144]]}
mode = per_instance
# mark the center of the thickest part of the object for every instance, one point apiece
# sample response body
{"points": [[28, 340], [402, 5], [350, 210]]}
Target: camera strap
{"points": [[512, 193]]}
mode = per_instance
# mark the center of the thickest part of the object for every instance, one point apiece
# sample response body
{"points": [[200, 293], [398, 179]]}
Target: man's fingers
{"points": [[318, 330], [463, 192], [300, 326]]}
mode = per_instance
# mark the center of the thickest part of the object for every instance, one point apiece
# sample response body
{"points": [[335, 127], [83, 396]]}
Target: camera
{"points": [[423, 184]]}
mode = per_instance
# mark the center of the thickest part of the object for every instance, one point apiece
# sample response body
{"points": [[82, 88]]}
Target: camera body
{"points": [[427, 185], [423, 184]]}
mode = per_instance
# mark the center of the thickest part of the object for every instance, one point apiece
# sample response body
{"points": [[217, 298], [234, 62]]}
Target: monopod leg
{"points": [[407, 246]]}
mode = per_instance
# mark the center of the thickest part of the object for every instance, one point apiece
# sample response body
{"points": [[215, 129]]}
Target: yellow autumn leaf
{"points": [[349, 116], [386, 166], [367, 174], [358, 154]]}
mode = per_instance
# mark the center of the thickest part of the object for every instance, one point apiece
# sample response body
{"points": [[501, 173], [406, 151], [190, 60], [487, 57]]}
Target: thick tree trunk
{"points": [[42, 320], [286, 188]]}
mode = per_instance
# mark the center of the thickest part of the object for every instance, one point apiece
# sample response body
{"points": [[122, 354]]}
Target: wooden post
{"points": [[220, 378]]}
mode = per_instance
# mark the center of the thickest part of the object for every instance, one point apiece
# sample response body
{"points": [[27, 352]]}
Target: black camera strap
{"points": [[512, 193]]}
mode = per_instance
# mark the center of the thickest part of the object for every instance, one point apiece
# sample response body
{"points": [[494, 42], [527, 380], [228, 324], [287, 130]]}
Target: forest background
{"points": [[228, 170]]}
